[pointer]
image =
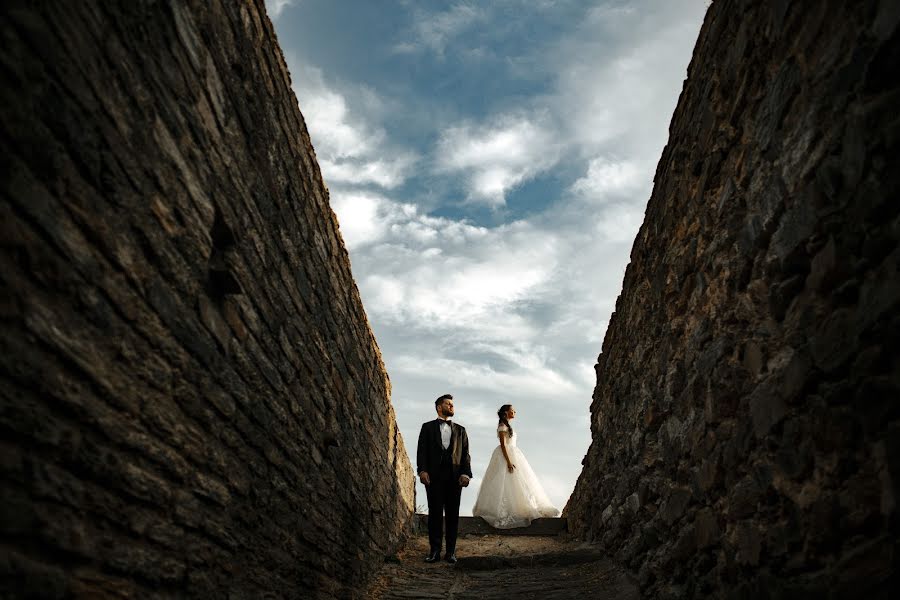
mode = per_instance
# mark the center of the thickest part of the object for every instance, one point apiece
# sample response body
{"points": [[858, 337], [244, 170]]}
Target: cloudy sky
{"points": [[490, 163]]}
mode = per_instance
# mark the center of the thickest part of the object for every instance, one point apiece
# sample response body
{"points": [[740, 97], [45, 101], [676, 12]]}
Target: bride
{"points": [[510, 494]]}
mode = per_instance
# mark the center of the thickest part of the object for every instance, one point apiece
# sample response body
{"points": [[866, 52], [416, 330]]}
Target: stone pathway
{"points": [[495, 567]]}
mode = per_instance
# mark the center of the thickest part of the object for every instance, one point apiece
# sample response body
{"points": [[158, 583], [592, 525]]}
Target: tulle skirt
{"points": [[508, 500]]}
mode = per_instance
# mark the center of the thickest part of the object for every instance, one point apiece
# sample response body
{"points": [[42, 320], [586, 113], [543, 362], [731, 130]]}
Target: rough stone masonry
{"points": [[193, 404], [746, 418]]}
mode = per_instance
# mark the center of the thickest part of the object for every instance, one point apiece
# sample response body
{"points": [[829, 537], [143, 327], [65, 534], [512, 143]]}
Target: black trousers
{"points": [[443, 494]]}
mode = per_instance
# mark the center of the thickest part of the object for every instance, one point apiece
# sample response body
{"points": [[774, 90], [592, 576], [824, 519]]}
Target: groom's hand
{"points": [[424, 478], [463, 481]]}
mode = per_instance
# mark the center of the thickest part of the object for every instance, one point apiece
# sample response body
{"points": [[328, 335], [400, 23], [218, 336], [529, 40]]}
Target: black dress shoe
{"points": [[433, 556], [451, 558]]}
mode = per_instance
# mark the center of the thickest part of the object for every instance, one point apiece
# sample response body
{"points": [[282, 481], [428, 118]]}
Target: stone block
{"points": [[794, 457], [674, 505], [744, 498], [706, 528], [782, 294], [747, 542], [633, 503], [607, 514], [867, 570], [685, 544], [767, 409], [753, 358], [823, 270], [833, 341], [26, 578], [704, 477]]}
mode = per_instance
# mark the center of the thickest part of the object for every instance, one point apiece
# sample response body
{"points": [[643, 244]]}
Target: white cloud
{"points": [[620, 224], [388, 173], [534, 380], [605, 177], [497, 157], [350, 150], [437, 273], [433, 31], [275, 7], [618, 78], [336, 133], [359, 216]]}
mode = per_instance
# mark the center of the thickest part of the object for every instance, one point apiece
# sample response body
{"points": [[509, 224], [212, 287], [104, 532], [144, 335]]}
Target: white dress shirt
{"points": [[446, 430]]}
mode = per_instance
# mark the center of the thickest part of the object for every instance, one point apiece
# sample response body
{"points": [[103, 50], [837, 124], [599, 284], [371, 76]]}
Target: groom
{"points": [[443, 466]]}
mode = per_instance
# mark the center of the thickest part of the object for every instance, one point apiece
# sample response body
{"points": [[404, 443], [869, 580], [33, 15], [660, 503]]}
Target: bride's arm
{"points": [[509, 466]]}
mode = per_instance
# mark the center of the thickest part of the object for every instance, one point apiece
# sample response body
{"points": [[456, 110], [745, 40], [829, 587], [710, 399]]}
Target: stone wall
{"points": [[746, 418], [193, 403]]}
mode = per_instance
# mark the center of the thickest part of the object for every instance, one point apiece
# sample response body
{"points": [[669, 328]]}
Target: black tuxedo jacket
{"points": [[428, 455]]}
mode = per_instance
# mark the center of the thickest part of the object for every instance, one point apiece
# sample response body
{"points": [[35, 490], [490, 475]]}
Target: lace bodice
{"points": [[510, 439]]}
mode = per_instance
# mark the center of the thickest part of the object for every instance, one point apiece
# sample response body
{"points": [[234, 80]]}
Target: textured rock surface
{"points": [[192, 401], [500, 567], [745, 420]]}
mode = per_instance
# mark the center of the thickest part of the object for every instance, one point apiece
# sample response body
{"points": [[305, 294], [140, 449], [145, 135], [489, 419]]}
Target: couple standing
{"points": [[510, 495]]}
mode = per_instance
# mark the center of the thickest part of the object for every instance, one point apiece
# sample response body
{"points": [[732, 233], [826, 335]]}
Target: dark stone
{"points": [[751, 234], [782, 294], [743, 498], [787, 246], [753, 358], [780, 91], [685, 544], [823, 514], [766, 409], [675, 504], [753, 344], [632, 503], [875, 403], [823, 270], [829, 177], [869, 570], [794, 457], [860, 503], [748, 543], [711, 356], [650, 534], [833, 342], [706, 526], [888, 456], [180, 324], [796, 376], [738, 441], [707, 475], [26, 578], [776, 540]]}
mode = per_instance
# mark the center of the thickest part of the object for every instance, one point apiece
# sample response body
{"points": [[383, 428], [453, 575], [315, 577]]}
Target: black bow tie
{"points": [[448, 422]]}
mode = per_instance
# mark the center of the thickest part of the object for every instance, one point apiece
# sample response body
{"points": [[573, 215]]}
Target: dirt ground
{"points": [[497, 566]]}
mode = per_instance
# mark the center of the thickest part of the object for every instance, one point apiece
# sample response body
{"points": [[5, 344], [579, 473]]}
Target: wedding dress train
{"points": [[506, 499]]}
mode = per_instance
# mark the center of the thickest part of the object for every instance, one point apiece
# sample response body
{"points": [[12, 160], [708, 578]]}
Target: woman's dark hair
{"points": [[502, 415]]}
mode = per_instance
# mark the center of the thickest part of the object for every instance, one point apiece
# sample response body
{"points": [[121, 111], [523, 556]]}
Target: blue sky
{"points": [[489, 164]]}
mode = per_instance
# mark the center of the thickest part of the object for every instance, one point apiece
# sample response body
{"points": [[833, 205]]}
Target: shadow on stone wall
{"points": [[745, 419]]}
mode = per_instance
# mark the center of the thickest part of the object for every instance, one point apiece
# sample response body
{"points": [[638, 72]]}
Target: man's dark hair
{"points": [[441, 399]]}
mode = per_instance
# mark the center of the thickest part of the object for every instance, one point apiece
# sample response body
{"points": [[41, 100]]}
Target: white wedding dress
{"points": [[506, 499]]}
